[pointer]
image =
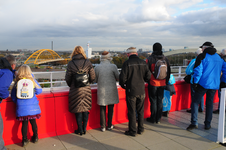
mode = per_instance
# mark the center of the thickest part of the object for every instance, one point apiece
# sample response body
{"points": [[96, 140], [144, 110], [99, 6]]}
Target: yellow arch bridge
{"points": [[43, 56]]}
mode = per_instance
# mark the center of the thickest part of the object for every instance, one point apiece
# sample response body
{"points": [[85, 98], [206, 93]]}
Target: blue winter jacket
{"points": [[6, 77], [190, 69], [207, 69], [25, 107]]}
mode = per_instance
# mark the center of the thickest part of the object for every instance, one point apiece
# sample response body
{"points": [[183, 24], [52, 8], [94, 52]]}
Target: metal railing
{"points": [[56, 80], [221, 136]]}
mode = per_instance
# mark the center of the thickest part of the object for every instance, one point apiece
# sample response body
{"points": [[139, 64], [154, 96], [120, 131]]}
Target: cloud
{"points": [[112, 23], [220, 1], [206, 22]]}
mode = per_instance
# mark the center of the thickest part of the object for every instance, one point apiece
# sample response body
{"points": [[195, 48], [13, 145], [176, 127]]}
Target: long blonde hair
{"points": [[78, 50], [25, 72]]}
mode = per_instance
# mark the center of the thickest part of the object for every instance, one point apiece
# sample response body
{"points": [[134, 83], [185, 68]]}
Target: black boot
{"points": [[78, 132], [34, 138], [165, 113], [85, 120], [79, 123], [25, 141]]}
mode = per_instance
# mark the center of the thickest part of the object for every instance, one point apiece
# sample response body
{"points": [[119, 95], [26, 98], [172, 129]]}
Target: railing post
{"points": [[51, 80], [179, 71], [221, 120]]}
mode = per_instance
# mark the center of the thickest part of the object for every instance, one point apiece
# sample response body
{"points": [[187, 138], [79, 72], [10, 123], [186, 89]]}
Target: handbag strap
{"points": [[82, 66]]}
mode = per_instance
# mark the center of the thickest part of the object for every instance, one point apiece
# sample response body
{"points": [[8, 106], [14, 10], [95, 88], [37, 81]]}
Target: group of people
{"points": [[206, 72], [134, 73]]}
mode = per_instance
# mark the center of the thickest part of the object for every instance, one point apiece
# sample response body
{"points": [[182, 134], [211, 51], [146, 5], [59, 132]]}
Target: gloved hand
{"points": [[195, 86], [223, 85]]}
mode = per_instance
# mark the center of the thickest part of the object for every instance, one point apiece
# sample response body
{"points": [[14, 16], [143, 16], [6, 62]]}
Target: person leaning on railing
{"points": [[190, 71], [7, 73], [80, 96], [107, 93]]}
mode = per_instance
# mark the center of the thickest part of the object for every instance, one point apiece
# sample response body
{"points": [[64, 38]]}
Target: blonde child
{"points": [[27, 109]]}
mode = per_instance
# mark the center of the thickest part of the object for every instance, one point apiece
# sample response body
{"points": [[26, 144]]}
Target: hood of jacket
{"points": [[210, 50], [4, 64], [157, 56], [78, 56]]}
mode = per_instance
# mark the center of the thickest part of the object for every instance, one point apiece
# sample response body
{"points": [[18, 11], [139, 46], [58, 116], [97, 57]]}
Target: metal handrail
{"points": [[178, 76]]}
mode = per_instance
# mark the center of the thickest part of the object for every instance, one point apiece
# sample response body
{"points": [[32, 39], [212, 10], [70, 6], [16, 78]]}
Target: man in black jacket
{"points": [[133, 76]]}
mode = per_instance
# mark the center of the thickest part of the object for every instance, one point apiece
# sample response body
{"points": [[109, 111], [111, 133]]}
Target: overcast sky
{"points": [[111, 24]]}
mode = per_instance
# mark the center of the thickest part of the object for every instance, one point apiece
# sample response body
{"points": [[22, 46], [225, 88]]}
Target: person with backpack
{"points": [[79, 75], [24, 94], [7, 73], [107, 93], [160, 69]]}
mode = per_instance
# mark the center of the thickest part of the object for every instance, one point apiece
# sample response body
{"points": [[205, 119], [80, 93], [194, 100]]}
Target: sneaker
{"points": [[191, 127], [103, 129], [216, 111], [207, 127], [158, 122], [140, 132], [25, 142], [189, 110], [130, 133], [34, 139], [110, 128]]}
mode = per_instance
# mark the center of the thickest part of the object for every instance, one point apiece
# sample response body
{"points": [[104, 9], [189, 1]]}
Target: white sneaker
{"points": [[110, 128], [102, 129]]}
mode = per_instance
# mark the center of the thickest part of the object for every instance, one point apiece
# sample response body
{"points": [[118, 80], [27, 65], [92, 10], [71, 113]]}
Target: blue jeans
{"points": [[209, 105], [201, 105], [2, 147], [156, 94]]}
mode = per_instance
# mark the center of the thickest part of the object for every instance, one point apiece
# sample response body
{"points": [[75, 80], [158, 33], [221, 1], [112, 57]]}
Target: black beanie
{"points": [[157, 47]]}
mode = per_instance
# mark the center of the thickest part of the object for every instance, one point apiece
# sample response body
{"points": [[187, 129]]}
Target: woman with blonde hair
{"points": [[107, 93], [27, 108], [80, 97]]}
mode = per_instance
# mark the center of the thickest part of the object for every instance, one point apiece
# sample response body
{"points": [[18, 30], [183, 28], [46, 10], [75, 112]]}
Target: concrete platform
{"points": [[170, 134]]}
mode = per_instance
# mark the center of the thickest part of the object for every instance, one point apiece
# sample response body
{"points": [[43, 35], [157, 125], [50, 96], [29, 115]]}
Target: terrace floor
{"points": [[170, 134]]}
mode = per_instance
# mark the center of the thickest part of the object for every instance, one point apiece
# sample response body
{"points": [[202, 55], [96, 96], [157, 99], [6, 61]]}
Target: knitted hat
{"points": [[131, 50], [207, 44], [157, 47], [106, 55]]}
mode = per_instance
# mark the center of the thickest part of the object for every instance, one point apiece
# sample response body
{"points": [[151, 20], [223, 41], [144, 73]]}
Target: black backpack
{"points": [[160, 71], [81, 78]]}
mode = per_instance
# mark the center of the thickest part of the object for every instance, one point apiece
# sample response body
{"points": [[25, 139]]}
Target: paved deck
{"points": [[170, 134]]}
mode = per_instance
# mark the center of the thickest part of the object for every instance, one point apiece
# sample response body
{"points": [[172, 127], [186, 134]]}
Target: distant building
{"points": [[88, 51], [140, 50]]}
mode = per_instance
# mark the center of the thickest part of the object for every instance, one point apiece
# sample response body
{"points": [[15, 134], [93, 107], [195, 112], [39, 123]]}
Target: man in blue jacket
{"points": [[190, 71], [206, 79], [7, 66]]}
